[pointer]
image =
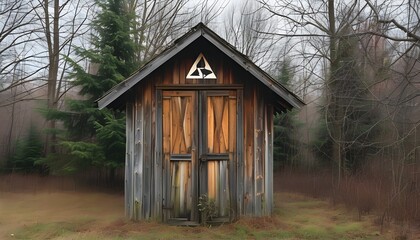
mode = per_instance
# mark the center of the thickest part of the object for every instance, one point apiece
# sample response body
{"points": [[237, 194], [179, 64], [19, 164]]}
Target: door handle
{"points": [[203, 158]]}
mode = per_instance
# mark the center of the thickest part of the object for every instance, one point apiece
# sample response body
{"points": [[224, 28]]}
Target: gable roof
{"points": [[195, 33]]}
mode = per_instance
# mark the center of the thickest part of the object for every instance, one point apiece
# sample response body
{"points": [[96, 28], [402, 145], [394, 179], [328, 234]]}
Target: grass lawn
{"points": [[75, 215]]}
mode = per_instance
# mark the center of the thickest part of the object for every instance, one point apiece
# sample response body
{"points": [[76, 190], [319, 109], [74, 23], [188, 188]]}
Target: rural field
{"points": [[82, 214]]}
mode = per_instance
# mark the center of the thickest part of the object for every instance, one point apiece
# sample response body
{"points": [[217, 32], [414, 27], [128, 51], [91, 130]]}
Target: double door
{"points": [[199, 150]]}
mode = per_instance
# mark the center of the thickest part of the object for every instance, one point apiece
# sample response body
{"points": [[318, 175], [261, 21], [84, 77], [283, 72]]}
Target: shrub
{"points": [[27, 151]]}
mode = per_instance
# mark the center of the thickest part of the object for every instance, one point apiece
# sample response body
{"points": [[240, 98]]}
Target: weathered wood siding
{"points": [[129, 164], [258, 147], [152, 140]]}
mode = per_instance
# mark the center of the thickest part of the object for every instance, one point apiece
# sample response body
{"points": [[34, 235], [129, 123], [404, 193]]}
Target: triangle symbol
{"points": [[201, 69]]}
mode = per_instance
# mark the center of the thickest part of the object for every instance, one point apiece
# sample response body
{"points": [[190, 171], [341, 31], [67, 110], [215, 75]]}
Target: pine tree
{"points": [[93, 137], [285, 125], [113, 50], [27, 151]]}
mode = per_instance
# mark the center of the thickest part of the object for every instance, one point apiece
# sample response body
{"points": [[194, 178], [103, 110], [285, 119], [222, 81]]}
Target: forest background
{"points": [[354, 63]]}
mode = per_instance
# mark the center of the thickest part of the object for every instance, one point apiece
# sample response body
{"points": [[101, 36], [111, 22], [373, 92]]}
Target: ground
{"points": [[94, 215]]}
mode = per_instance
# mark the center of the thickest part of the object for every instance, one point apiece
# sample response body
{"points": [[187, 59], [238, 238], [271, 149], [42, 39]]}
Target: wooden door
{"points": [[199, 150], [179, 120], [218, 151]]}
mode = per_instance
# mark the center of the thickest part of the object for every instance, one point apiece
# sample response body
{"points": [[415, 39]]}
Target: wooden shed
{"points": [[199, 122]]}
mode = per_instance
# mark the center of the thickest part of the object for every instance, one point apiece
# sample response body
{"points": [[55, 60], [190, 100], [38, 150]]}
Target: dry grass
{"points": [[58, 214], [22, 210], [369, 196], [85, 181]]}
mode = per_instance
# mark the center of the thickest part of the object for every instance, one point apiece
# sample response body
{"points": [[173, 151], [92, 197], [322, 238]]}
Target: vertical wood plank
{"points": [[258, 153], [152, 150], [128, 182], [203, 145], [249, 112], [147, 150], [232, 153], [224, 165], [183, 68], [175, 71], [167, 74], [174, 204], [166, 161], [225, 124], [269, 114], [138, 158], [194, 159], [210, 126], [240, 155], [230, 75], [219, 79], [157, 116], [187, 124], [220, 71]]}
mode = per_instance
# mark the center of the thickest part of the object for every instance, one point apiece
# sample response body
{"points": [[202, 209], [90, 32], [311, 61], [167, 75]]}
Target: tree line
{"points": [[356, 66]]}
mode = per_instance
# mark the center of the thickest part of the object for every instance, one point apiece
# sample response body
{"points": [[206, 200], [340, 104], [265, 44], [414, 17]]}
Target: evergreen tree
{"points": [[285, 125], [27, 151], [350, 112], [93, 137], [113, 50]]}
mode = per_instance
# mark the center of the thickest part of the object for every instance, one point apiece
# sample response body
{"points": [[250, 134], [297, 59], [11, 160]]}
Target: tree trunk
{"points": [[53, 58], [334, 111]]}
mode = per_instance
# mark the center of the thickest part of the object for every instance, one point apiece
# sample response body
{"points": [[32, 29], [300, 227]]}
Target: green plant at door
{"points": [[207, 208]]}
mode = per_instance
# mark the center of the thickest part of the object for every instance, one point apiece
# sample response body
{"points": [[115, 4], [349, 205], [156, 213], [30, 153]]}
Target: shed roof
{"points": [[200, 30]]}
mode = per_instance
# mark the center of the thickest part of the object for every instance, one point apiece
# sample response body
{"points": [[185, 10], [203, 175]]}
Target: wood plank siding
{"points": [[186, 137]]}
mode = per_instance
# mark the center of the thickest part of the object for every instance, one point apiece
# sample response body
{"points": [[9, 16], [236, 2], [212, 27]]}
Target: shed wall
{"points": [[143, 183]]}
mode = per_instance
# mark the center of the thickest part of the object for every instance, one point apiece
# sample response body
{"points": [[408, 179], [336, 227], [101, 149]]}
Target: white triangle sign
{"points": [[201, 69]]}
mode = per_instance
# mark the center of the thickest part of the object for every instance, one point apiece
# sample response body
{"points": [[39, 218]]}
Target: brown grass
{"points": [[23, 209], [85, 181], [53, 213], [367, 193]]}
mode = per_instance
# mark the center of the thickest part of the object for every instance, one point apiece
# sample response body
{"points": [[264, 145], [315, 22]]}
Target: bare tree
{"points": [[61, 23], [210, 10], [400, 93], [17, 35], [156, 22], [244, 28], [160, 22], [27, 26], [18, 76], [317, 24], [387, 34]]}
